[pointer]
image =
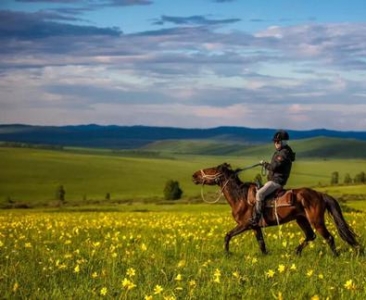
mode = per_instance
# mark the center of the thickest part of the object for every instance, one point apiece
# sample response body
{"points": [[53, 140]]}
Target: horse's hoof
{"points": [[228, 253], [298, 251], [336, 253]]}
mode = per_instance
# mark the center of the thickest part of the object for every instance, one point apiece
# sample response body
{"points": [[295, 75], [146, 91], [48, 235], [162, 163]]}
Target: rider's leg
{"points": [[264, 191]]}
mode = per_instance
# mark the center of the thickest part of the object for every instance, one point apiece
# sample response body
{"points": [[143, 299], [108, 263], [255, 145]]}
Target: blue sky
{"points": [[193, 64]]}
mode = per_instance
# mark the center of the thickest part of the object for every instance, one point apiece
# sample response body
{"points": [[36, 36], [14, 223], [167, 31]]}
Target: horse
{"points": [[304, 205]]}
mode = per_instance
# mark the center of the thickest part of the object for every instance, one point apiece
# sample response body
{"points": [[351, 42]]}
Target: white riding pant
{"points": [[268, 188]]}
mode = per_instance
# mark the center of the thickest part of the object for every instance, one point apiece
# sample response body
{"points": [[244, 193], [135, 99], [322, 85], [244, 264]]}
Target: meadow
{"points": [[147, 249], [168, 252]]}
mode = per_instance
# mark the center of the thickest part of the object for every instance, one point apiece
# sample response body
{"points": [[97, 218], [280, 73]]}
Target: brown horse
{"points": [[304, 205]]}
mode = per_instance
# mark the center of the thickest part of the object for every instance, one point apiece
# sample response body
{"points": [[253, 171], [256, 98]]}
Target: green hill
{"points": [[319, 147], [33, 175]]}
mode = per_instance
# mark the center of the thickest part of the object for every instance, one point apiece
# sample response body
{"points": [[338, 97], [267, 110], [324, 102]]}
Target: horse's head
{"points": [[212, 176]]}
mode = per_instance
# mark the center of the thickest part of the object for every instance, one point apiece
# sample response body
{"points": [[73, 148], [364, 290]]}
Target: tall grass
{"points": [[165, 255]]}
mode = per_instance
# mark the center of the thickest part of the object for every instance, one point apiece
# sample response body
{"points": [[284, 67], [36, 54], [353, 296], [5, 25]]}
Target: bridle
{"points": [[216, 177]]}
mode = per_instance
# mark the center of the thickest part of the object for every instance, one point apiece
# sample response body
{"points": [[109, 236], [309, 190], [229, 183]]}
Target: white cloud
{"points": [[299, 76]]}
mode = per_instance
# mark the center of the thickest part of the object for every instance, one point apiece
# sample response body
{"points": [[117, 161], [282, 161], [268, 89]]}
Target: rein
{"points": [[263, 171], [217, 176]]}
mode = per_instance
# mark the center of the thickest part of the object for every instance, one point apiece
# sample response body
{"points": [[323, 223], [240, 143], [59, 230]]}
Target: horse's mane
{"points": [[242, 187]]}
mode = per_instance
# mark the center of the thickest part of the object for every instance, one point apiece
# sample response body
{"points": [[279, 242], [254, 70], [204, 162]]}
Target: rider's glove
{"points": [[262, 162]]}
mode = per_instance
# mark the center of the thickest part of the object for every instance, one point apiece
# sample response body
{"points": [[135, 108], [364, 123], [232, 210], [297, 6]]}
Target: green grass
{"points": [[33, 175], [167, 255]]}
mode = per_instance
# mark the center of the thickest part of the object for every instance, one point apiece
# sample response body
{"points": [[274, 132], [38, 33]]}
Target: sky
{"points": [[287, 64]]}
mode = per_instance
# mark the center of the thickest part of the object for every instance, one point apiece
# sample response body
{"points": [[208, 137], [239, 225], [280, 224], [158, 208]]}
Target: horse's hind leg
{"points": [[309, 233], [323, 231]]}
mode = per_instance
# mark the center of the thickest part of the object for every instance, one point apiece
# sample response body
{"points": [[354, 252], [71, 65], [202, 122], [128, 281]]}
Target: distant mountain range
{"points": [[135, 137]]}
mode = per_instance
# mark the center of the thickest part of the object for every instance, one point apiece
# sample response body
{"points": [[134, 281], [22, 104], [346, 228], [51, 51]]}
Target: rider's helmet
{"points": [[281, 135]]}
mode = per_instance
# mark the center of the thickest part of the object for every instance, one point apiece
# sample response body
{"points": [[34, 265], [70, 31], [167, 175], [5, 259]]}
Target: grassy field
{"points": [[172, 252], [150, 251], [33, 175]]}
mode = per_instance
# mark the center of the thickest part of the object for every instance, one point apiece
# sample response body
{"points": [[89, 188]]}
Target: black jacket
{"points": [[280, 166]]}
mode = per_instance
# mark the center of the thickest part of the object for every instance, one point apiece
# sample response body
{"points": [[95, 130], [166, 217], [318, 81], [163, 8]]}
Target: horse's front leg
{"points": [[260, 239], [237, 230]]}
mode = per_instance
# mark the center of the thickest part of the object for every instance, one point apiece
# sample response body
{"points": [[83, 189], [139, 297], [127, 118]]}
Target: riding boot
{"points": [[257, 213]]}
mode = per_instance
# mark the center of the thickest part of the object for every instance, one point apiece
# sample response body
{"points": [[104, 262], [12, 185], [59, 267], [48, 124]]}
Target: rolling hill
{"points": [[318, 147], [133, 137]]}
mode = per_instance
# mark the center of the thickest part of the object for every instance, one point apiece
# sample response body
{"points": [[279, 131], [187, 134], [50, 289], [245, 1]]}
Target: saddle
{"points": [[279, 198]]}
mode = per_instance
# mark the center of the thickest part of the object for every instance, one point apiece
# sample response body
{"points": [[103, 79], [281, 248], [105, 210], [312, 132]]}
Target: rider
{"points": [[279, 171]]}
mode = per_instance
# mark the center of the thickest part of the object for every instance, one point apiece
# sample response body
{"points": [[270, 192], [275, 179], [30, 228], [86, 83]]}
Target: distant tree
{"points": [[335, 178], [172, 191], [363, 177], [347, 179], [360, 178], [108, 196], [60, 193]]}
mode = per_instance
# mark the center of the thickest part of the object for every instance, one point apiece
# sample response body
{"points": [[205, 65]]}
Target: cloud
{"points": [[41, 25], [93, 3], [193, 20], [289, 76]]}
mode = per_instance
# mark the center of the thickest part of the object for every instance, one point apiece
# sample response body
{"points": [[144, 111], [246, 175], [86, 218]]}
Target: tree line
{"points": [[359, 178]]}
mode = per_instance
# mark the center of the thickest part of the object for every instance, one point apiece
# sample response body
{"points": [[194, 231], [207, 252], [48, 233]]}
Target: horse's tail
{"points": [[344, 230]]}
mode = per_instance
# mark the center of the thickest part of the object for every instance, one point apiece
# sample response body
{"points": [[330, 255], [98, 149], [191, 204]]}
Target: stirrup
{"points": [[254, 221]]}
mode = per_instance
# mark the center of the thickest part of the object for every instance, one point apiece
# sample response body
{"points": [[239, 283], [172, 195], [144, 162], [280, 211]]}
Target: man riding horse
{"points": [[278, 172]]}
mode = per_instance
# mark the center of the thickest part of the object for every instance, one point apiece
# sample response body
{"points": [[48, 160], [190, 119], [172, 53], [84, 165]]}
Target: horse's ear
{"points": [[224, 166]]}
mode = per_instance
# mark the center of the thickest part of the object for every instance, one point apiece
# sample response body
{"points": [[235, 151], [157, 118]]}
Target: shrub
{"points": [[335, 178], [60, 193], [172, 191]]}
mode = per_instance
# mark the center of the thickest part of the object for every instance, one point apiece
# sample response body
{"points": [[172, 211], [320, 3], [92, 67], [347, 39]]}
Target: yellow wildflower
{"points": [[315, 297], [131, 272], [178, 277], [181, 263], [309, 273], [280, 297], [281, 268], [192, 283], [270, 273], [158, 289], [217, 276], [148, 297], [77, 269], [293, 267], [350, 285], [128, 284], [103, 291], [15, 287]]}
